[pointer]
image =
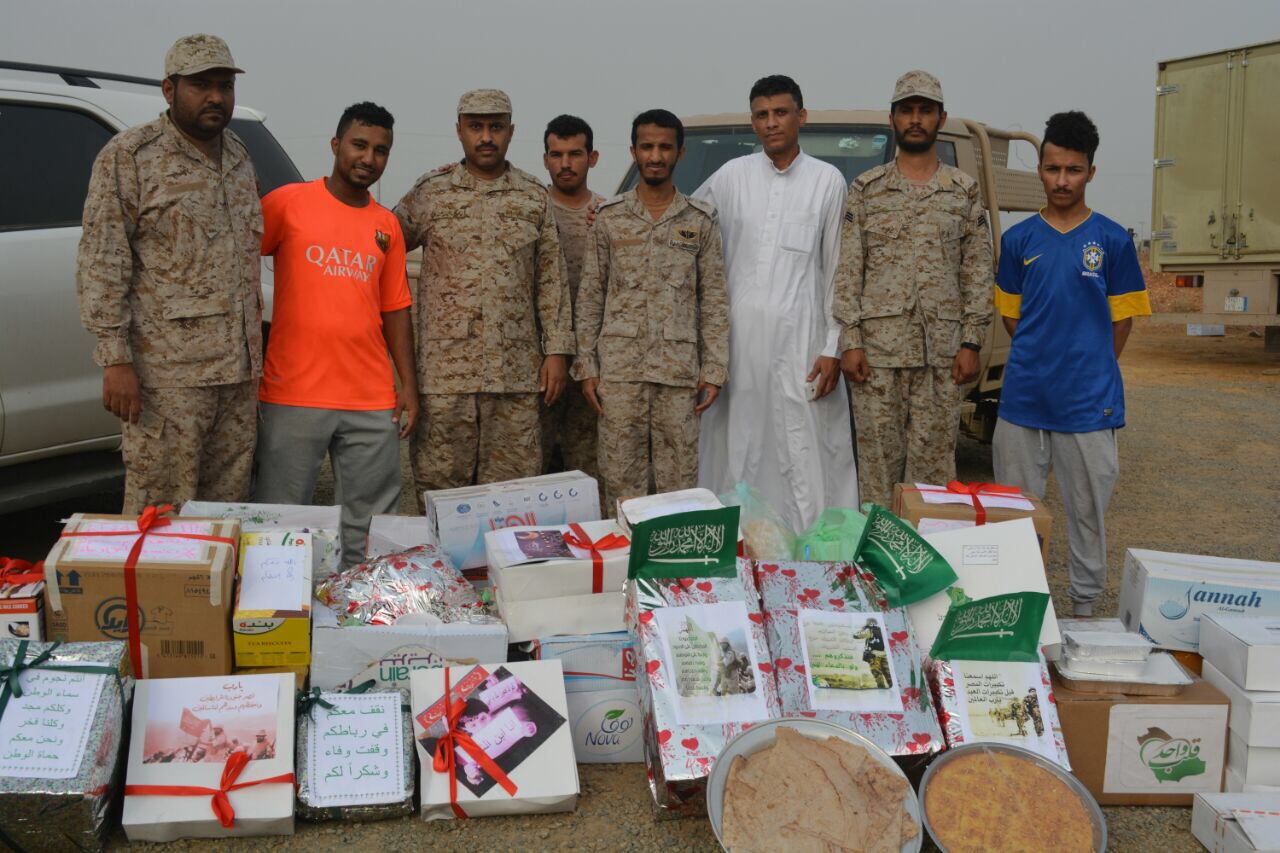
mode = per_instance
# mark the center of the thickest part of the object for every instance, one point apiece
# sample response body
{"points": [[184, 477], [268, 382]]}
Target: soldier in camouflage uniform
{"points": [[874, 655], [494, 320], [568, 154], [652, 319], [168, 278], [1032, 705], [913, 299]]}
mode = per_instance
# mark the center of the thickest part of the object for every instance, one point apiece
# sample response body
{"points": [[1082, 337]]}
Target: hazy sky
{"points": [[1008, 64]]}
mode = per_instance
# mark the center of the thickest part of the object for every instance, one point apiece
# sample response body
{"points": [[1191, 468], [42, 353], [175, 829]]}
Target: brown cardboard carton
{"points": [[1146, 750], [909, 505], [184, 592]]}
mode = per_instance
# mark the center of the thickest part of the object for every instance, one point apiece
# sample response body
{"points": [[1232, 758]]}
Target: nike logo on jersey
{"points": [[1026, 262]]}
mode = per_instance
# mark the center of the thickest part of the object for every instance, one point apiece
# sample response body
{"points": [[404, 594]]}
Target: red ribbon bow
{"points": [[973, 490], [20, 572], [152, 517], [578, 538], [220, 803], [445, 759]]}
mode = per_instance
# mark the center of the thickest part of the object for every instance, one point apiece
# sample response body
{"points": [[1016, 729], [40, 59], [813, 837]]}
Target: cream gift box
{"points": [[565, 579], [1244, 648], [513, 713], [192, 733], [1255, 765], [1255, 715], [324, 523]]}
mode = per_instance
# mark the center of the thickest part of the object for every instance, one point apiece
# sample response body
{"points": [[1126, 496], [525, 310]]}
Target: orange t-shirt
{"points": [[337, 270]]}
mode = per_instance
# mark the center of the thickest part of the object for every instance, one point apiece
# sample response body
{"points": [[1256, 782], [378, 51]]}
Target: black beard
{"points": [[655, 182], [913, 147]]}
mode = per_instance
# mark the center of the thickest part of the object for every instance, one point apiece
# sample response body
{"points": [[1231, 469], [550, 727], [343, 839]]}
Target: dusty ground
{"points": [[1199, 459]]}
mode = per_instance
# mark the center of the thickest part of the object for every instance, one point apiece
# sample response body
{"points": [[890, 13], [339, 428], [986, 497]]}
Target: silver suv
{"points": [[56, 440]]}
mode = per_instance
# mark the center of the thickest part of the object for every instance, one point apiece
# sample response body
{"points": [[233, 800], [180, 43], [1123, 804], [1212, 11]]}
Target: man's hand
{"points": [[854, 364], [589, 391], [406, 414], [829, 369], [711, 392], [553, 377], [964, 368], [121, 393]]}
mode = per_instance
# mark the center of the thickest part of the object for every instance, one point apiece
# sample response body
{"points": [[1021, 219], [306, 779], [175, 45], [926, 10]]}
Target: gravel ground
{"points": [[1198, 458]]}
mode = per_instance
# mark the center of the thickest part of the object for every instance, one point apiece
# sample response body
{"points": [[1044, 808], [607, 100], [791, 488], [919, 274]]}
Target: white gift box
{"points": [[323, 522], [391, 533], [632, 511], [184, 731], [1236, 823], [344, 656], [518, 715], [1254, 714], [1256, 765], [1165, 596], [990, 559], [542, 596], [1244, 648], [1235, 785], [591, 662], [461, 517], [606, 726]]}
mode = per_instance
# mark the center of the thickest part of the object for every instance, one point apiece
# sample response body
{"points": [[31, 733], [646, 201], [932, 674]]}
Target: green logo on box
{"points": [[1170, 758]]}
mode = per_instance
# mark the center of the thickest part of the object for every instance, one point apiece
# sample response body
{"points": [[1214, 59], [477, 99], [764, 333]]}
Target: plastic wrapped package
{"points": [[766, 535], [834, 537], [57, 786], [419, 584]]}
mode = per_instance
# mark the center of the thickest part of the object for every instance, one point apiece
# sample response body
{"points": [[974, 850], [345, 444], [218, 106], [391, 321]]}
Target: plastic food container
{"points": [[1106, 645], [761, 736], [1074, 784]]}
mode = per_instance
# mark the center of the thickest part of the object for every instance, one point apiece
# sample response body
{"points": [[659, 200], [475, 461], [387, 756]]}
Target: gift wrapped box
{"points": [[355, 754], [60, 742], [461, 517], [324, 523], [839, 654], [703, 661], [272, 618], [211, 758], [563, 579], [180, 622], [21, 600], [933, 509], [494, 739]]}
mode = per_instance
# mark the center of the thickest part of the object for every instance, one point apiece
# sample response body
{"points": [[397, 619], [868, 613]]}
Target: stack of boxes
{"points": [[1242, 659]]}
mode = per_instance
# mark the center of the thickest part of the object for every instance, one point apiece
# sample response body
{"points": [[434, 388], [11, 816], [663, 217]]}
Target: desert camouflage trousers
{"points": [[191, 443], [906, 420], [647, 431], [481, 438], [570, 423]]}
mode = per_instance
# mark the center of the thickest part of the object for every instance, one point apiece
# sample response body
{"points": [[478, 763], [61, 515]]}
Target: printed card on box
{"points": [[355, 750], [1169, 749]]}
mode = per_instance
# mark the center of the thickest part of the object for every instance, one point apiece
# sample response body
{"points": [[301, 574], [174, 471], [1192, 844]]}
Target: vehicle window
{"points": [[270, 160], [946, 152], [46, 155]]}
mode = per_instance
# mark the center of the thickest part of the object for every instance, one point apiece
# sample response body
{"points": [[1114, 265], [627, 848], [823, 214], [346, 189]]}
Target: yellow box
{"points": [[271, 624]]}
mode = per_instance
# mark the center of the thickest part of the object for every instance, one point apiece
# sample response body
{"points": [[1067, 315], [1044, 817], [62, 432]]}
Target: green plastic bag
{"points": [[906, 566], [834, 537], [1002, 628]]}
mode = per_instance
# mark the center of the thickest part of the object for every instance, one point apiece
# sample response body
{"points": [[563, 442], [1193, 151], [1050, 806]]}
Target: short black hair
{"points": [[662, 118], [365, 112], [1072, 130], [566, 127], [776, 84]]}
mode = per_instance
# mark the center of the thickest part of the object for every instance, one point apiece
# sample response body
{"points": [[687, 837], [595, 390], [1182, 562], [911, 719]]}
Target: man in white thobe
{"points": [[782, 424]]}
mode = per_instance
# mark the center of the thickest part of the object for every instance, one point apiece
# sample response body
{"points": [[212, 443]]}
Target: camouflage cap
{"points": [[484, 102], [200, 52], [917, 84]]}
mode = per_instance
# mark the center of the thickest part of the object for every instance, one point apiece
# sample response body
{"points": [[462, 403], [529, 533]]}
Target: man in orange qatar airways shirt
{"points": [[341, 304]]}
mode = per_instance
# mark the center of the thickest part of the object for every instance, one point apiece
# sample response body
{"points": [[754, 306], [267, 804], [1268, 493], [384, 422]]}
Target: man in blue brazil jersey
{"points": [[1067, 289]]}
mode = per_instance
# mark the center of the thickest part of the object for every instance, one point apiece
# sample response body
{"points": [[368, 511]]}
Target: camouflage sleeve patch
{"points": [[848, 216]]}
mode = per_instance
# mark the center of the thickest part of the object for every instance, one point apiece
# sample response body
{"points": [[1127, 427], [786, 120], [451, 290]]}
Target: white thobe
{"points": [[781, 235]]}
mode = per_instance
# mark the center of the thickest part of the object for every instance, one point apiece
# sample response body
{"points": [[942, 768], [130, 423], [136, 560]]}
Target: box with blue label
{"points": [[592, 662], [461, 517], [1163, 595]]}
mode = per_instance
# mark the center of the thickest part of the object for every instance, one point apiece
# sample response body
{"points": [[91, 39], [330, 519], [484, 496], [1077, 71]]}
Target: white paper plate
{"points": [[761, 736]]}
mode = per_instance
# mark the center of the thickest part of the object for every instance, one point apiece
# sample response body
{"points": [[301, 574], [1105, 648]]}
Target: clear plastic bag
{"points": [[766, 535]]}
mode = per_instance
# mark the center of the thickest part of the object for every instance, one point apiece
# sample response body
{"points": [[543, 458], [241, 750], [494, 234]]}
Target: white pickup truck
{"points": [[56, 440]]}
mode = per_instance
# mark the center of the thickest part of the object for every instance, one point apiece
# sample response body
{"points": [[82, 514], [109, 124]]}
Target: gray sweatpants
{"points": [[1087, 465], [364, 446]]}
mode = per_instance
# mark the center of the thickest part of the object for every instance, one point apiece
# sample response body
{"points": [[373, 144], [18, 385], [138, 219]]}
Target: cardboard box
{"points": [[1145, 750], [184, 732], [22, 611], [910, 504], [1164, 595], [324, 523], [342, 657], [461, 517], [538, 596], [517, 714], [184, 592], [1217, 822], [1244, 648], [606, 726], [391, 533], [274, 629], [592, 662], [1256, 765], [1255, 715]]}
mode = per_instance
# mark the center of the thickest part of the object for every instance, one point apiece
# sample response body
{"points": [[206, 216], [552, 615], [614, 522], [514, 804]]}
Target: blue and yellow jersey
{"points": [[1066, 289]]}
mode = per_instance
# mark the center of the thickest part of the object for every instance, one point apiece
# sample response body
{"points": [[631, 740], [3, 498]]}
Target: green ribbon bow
{"points": [[307, 702], [10, 685]]}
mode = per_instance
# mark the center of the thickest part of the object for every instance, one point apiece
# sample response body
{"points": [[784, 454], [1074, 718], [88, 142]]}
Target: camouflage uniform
{"points": [[570, 421], [168, 278], [492, 301], [652, 318], [1032, 705], [914, 282], [874, 655]]}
